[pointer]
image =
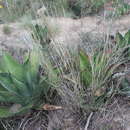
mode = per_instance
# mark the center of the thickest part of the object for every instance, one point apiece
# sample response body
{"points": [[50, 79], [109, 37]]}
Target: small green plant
{"points": [[123, 40], [21, 84], [6, 30], [41, 34], [100, 68]]}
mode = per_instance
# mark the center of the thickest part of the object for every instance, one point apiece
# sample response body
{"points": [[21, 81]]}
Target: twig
{"points": [[88, 121], [51, 107]]}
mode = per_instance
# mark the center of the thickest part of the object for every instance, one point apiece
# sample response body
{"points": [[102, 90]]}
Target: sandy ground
{"points": [[67, 30]]}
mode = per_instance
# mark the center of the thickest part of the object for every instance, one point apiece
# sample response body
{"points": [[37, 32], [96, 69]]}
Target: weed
{"points": [[21, 84], [124, 41], [99, 74], [41, 34], [100, 68]]}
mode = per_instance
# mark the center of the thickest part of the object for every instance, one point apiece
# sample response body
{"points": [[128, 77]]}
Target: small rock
{"points": [[15, 108]]}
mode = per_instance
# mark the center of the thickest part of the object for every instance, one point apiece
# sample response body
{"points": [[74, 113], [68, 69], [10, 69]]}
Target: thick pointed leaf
{"points": [[31, 66], [29, 81], [9, 65], [34, 62], [6, 96], [7, 83], [22, 88], [84, 61], [127, 37], [86, 78], [15, 90], [85, 68], [120, 40]]}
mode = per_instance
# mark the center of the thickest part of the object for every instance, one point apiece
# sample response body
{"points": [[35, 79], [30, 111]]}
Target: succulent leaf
{"points": [[9, 65], [85, 68], [20, 83]]}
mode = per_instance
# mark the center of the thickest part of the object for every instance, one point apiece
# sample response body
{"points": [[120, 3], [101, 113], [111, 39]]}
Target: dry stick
{"points": [[88, 121]]}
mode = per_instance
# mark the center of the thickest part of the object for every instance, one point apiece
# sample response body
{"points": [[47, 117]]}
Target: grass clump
{"points": [[103, 67], [92, 75], [97, 72]]}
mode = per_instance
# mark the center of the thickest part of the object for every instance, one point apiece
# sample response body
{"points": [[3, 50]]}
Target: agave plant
{"points": [[21, 84]]}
